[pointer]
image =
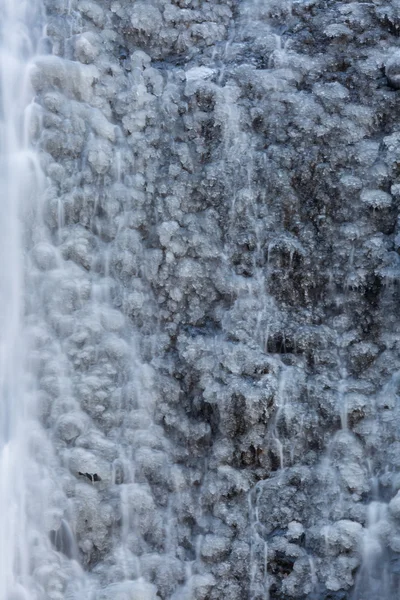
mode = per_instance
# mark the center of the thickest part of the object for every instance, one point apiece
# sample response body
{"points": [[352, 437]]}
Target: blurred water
{"points": [[46, 537], [20, 183], [85, 525]]}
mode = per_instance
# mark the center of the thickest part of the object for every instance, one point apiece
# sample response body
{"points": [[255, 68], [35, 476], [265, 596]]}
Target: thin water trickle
{"points": [[259, 578]]}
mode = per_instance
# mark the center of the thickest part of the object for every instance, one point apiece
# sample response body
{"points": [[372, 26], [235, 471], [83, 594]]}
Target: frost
{"points": [[338, 30], [376, 198]]}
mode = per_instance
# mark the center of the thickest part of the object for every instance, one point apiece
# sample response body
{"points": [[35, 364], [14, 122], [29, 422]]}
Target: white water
{"points": [[44, 501], [20, 188]]}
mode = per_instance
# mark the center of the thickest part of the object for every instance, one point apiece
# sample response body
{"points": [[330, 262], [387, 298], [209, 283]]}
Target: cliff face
{"points": [[219, 348]]}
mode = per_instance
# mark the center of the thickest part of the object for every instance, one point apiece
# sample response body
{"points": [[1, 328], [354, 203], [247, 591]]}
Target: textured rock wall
{"points": [[220, 293]]}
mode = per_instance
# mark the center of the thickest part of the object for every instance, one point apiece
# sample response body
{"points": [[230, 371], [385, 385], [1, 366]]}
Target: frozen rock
{"points": [[66, 76], [341, 573], [139, 506], [102, 126], [93, 11], [82, 462], [45, 256], [217, 284], [70, 426], [338, 30], [200, 586], [167, 574], [342, 536], [86, 47], [146, 18], [100, 156], [394, 506], [140, 60], [214, 548], [394, 543], [295, 531], [129, 590], [376, 199], [392, 70]]}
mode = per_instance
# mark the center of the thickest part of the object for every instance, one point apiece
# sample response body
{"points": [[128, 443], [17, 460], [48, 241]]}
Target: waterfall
{"points": [[199, 257], [19, 185], [78, 438]]}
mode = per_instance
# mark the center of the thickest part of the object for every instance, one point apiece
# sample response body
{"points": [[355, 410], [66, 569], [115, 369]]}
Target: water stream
{"points": [[20, 186], [198, 339]]}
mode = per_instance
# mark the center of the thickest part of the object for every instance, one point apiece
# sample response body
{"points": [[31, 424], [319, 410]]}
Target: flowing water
{"points": [[20, 185], [39, 523], [186, 411]]}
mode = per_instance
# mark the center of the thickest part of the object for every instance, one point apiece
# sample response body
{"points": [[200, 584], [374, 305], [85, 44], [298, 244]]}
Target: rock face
{"points": [[220, 331]]}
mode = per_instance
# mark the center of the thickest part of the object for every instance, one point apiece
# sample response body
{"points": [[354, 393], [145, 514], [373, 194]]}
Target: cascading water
{"points": [[19, 187], [198, 337], [68, 494]]}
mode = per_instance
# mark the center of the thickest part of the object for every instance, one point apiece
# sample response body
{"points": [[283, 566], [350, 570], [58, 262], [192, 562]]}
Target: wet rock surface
{"points": [[218, 355]]}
